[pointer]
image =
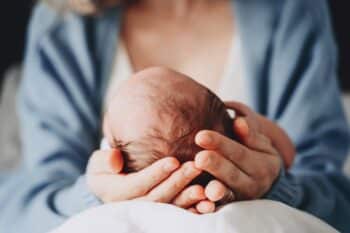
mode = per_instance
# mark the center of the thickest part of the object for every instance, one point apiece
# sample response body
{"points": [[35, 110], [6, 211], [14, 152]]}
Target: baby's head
{"points": [[157, 113]]}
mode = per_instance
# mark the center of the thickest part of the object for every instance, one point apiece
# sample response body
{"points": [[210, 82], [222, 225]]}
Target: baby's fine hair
{"points": [[176, 139]]}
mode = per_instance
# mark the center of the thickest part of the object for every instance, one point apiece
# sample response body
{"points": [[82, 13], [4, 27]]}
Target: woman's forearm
{"points": [[324, 195], [42, 203]]}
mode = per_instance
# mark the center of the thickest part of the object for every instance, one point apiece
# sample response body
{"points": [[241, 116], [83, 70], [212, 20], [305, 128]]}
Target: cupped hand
{"points": [[247, 123], [246, 169], [164, 181]]}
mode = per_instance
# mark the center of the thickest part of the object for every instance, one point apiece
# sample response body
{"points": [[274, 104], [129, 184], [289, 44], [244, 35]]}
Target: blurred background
{"points": [[15, 14], [13, 21]]}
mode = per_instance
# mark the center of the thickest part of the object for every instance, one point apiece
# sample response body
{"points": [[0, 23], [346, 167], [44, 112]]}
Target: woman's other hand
{"points": [[248, 169], [258, 123], [164, 181]]}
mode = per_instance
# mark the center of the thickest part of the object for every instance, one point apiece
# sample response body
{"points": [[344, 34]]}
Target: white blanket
{"points": [[145, 217]]}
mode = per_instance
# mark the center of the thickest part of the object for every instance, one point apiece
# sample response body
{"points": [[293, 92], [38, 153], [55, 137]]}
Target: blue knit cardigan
{"points": [[291, 63]]}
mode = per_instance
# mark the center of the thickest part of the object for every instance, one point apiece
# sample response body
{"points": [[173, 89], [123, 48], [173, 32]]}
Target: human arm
{"points": [[312, 114], [60, 110], [304, 100], [58, 133]]}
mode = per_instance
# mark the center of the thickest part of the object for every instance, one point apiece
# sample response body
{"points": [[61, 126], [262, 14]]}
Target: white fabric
{"points": [[261, 216], [232, 84], [122, 70]]}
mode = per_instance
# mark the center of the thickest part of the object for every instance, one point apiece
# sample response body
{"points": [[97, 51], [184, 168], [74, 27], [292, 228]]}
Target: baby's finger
{"points": [[171, 187], [190, 196], [105, 162], [215, 190], [205, 207]]}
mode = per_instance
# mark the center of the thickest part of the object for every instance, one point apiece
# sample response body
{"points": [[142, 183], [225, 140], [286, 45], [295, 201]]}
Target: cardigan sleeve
{"points": [[59, 130], [304, 99]]}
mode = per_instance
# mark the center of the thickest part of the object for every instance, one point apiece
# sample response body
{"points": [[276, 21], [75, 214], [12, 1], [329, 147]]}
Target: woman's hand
{"points": [[244, 171], [164, 181], [249, 120]]}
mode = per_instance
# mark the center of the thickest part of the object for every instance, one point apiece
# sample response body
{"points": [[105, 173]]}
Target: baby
{"points": [[157, 113]]}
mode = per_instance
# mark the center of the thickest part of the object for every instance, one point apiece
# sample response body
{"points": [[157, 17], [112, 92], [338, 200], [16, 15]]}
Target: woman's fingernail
{"points": [[206, 139], [243, 126], [241, 122]]}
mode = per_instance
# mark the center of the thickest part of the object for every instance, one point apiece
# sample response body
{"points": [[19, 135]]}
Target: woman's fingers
{"points": [[258, 123], [223, 169], [212, 140], [166, 191], [215, 190], [270, 138], [239, 108], [251, 138], [246, 128], [129, 186], [244, 186], [205, 207], [105, 162], [228, 197], [152, 175], [236, 153], [193, 210], [251, 118], [190, 196]]}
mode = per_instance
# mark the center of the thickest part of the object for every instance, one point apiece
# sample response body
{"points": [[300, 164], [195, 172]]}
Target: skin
{"points": [[86, 7], [134, 99], [248, 168], [177, 30], [122, 122], [218, 157]]}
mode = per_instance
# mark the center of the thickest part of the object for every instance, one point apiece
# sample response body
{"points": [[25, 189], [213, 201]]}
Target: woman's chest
{"points": [[198, 48]]}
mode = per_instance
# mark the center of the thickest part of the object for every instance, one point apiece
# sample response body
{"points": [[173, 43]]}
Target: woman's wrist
{"points": [[285, 189]]}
